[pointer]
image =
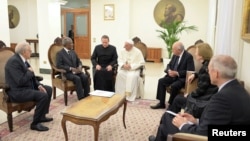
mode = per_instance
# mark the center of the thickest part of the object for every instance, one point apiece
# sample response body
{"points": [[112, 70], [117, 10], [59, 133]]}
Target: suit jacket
{"points": [[185, 64], [65, 61], [230, 106], [17, 75]]}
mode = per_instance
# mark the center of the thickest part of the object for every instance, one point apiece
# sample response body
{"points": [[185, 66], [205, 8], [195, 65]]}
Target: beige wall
{"points": [[27, 27], [135, 18]]}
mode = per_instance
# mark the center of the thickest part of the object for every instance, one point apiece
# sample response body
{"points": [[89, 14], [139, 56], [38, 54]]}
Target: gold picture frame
{"points": [[109, 12], [14, 16], [245, 33]]}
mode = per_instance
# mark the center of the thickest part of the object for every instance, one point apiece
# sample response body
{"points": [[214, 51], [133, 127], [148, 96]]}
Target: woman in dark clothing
{"points": [[204, 89]]}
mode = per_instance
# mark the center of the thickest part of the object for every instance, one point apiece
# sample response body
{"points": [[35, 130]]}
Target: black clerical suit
{"points": [[68, 60], [229, 106], [186, 63], [104, 56], [24, 87]]}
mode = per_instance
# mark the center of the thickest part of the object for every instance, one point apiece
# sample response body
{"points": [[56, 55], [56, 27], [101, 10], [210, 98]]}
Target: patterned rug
{"points": [[141, 121]]}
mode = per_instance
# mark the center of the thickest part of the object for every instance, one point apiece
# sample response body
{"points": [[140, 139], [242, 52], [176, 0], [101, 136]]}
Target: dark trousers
{"points": [[164, 82], [166, 127], [178, 103], [42, 100], [82, 84], [103, 80]]}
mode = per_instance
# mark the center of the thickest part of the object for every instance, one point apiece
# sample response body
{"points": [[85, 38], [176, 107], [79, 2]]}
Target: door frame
{"points": [[78, 11]]}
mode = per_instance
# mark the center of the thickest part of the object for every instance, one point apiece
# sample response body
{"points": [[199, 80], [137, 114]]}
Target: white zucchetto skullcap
{"points": [[130, 41]]}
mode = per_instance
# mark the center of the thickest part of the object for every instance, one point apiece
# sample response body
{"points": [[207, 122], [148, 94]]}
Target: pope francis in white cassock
{"points": [[128, 80]]}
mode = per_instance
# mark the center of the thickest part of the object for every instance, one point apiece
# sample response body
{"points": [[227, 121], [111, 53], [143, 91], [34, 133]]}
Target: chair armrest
{"points": [[58, 70], [39, 78], [141, 68], [85, 67], [115, 68], [188, 137], [5, 88]]}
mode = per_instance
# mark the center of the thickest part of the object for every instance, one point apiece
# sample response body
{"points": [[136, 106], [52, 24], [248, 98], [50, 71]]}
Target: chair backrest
{"points": [[52, 54], [189, 87], [188, 137], [5, 54], [197, 64], [141, 46]]}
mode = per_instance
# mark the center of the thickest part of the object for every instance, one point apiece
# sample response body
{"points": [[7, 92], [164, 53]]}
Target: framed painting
{"points": [[14, 16], [245, 34], [109, 12]]}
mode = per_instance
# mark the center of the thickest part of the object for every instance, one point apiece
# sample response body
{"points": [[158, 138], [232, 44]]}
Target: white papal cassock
{"points": [[128, 81]]}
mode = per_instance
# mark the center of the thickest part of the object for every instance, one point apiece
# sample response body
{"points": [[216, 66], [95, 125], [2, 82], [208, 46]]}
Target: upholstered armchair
{"points": [[143, 48], [58, 75], [5, 104]]}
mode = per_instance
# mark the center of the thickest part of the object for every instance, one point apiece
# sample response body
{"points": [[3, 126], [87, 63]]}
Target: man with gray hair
{"points": [[24, 87], [229, 106], [68, 60], [180, 63], [128, 80]]}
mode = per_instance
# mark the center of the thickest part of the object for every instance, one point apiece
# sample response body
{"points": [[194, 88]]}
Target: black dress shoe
{"points": [[39, 127], [46, 119], [151, 138], [158, 106]]}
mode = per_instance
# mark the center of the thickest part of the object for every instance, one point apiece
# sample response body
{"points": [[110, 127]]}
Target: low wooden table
{"points": [[93, 110]]}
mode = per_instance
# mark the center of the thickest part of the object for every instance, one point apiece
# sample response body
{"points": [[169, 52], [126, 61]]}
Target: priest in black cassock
{"points": [[103, 59]]}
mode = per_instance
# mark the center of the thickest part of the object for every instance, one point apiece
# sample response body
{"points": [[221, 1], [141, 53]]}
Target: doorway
{"points": [[80, 19]]}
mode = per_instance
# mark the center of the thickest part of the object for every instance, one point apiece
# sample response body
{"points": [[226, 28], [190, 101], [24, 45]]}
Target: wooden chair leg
{"points": [[10, 122], [54, 92], [65, 98]]}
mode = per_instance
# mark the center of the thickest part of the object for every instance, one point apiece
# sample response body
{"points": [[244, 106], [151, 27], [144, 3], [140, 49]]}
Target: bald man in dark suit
{"points": [[180, 63], [68, 60]]}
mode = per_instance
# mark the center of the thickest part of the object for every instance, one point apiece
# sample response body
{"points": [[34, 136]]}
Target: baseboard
{"points": [[45, 71]]}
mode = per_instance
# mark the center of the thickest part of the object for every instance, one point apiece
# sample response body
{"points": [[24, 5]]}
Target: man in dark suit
{"points": [[68, 60], [229, 106], [181, 62], [71, 33], [24, 87]]}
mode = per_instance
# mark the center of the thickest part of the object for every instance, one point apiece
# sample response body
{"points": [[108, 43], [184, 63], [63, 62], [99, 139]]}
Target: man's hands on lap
{"points": [[172, 73], [42, 89], [183, 118]]}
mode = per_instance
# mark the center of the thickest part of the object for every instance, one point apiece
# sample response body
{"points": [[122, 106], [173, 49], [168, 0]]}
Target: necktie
{"points": [[27, 64], [176, 63], [70, 55], [32, 79]]}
